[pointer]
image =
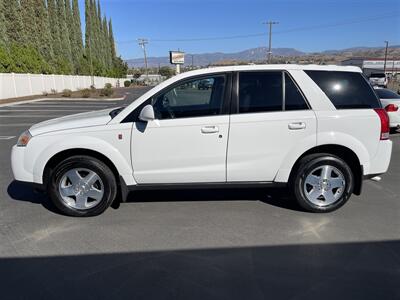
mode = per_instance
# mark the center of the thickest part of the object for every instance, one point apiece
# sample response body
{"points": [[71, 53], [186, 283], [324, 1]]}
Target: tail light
{"points": [[383, 116], [391, 108]]}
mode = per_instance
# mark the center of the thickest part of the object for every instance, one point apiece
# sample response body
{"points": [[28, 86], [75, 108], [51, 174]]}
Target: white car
{"points": [[319, 130], [378, 79], [391, 102]]}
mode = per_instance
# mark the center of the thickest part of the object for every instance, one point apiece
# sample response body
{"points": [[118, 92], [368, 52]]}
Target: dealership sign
{"points": [[378, 64], [177, 57]]}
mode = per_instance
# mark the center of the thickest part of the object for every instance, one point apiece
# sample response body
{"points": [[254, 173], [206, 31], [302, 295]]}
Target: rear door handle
{"points": [[209, 129], [297, 125]]}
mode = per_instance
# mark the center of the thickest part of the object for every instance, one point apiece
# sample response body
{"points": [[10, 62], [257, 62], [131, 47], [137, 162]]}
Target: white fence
{"points": [[14, 85]]}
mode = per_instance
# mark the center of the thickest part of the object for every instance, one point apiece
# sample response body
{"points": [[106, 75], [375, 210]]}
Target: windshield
{"points": [[387, 94], [378, 75]]}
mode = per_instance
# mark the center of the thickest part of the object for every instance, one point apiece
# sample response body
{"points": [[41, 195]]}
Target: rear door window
{"points": [[346, 90], [260, 92]]}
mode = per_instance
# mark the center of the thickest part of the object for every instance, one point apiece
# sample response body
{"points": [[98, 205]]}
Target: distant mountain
{"points": [[357, 49], [257, 55]]}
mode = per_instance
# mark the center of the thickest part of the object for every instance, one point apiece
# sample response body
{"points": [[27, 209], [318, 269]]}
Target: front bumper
{"points": [[18, 165]]}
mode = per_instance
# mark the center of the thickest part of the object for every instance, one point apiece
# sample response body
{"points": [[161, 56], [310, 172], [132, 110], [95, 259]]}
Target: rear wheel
{"points": [[82, 186], [323, 183]]}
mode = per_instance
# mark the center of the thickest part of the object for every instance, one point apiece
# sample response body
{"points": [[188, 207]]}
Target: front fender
{"points": [[105, 143]]}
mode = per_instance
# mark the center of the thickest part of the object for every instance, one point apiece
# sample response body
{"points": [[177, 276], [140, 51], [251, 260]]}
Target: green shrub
{"points": [[85, 93], [66, 93], [107, 91], [127, 83]]}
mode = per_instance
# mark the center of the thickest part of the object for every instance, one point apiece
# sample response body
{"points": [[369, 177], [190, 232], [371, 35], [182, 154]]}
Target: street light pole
{"points": [[270, 23], [384, 64]]}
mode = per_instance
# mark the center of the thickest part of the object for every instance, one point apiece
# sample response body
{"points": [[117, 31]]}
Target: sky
{"points": [[306, 25]]}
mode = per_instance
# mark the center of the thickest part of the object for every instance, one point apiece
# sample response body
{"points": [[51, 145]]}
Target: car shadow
{"points": [[24, 192], [278, 197]]}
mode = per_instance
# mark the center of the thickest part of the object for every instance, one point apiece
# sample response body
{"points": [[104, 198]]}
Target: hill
{"points": [[281, 55]]}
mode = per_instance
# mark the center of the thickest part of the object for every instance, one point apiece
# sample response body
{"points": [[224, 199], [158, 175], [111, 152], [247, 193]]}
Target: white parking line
{"points": [[71, 102], [34, 116], [62, 105], [2, 137], [16, 124], [30, 110]]}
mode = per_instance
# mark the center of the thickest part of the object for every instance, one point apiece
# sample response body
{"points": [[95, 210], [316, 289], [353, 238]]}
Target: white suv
{"points": [[320, 130], [378, 79]]}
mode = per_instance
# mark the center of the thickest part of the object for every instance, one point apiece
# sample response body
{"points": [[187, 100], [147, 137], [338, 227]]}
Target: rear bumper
{"points": [[394, 119], [380, 162]]}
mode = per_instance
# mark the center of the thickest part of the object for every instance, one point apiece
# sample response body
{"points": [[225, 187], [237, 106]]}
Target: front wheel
{"points": [[82, 186], [323, 183]]}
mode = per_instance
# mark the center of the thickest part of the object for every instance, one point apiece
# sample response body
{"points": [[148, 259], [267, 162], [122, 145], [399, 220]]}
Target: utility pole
{"points": [[384, 64], [142, 42], [270, 23]]}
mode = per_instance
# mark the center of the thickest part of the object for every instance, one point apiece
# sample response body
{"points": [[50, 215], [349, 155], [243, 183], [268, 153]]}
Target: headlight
{"points": [[24, 138]]}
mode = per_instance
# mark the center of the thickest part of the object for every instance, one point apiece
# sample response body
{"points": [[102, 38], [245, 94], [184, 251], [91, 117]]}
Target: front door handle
{"points": [[297, 125], [209, 129]]}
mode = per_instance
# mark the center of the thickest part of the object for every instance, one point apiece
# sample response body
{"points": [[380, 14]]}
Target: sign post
{"points": [[177, 58]]}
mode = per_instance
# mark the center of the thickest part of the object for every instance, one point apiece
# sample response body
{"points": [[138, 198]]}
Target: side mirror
{"points": [[147, 113]]}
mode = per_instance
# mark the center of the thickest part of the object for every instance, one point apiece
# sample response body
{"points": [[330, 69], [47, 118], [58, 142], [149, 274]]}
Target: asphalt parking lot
{"points": [[208, 244]]}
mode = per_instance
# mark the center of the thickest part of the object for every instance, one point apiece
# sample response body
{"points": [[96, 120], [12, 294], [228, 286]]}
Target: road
{"points": [[230, 244]]}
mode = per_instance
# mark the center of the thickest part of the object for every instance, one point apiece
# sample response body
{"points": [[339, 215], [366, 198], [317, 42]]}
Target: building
{"points": [[151, 79], [370, 65]]}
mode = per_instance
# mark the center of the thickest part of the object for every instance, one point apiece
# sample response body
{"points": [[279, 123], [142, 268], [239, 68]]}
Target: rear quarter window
{"points": [[346, 90]]}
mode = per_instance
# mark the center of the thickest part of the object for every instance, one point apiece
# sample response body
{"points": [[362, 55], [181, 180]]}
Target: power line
{"points": [[253, 35]]}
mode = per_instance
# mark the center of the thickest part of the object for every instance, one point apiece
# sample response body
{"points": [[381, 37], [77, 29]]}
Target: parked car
{"points": [[317, 130], [378, 79], [205, 84], [391, 102]]}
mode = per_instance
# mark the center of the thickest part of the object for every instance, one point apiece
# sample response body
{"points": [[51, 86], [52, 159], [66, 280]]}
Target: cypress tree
{"points": [[95, 36], [88, 32], [112, 43], [14, 26], [44, 36], [71, 34], [64, 36], [55, 34], [102, 45], [77, 50], [30, 21], [3, 32], [107, 45]]}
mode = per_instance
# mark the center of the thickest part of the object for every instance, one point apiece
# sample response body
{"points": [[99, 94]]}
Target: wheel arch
{"points": [[343, 152], [60, 156]]}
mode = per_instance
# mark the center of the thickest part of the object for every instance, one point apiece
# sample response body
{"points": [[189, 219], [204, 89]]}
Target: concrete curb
{"points": [[59, 99]]}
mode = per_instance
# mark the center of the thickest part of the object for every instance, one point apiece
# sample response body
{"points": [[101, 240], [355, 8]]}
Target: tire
{"points": [[317, 192], [72, 194]]}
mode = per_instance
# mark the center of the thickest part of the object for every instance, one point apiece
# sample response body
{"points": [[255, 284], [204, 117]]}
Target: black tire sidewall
{"points": [[310, 164], [106, 175]]}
